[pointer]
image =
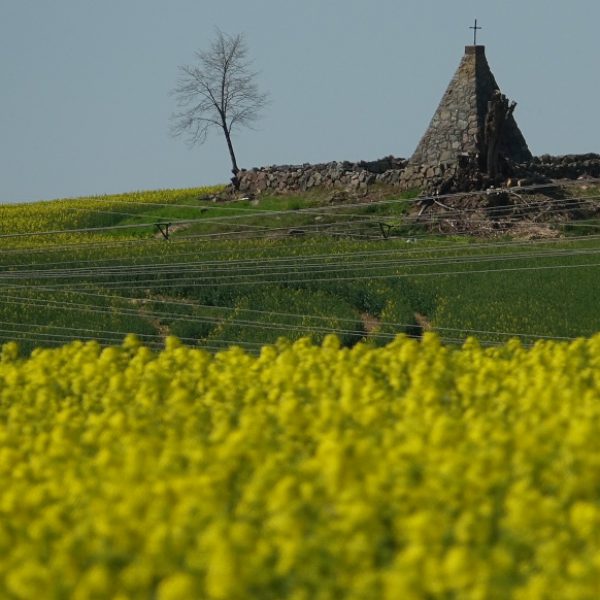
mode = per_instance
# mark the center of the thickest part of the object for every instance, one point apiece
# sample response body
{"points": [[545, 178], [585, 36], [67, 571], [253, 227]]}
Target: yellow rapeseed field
{"points": [[307, 472]]}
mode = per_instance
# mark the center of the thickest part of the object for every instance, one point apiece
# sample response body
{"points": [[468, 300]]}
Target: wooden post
{"points": [[165, 231]]}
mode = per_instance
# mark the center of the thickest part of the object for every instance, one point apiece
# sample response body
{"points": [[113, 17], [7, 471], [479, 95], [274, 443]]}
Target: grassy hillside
{"points": [[250, 271]]}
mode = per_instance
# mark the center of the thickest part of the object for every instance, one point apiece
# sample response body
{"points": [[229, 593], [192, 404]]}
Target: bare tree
{"points": [[218, 91]]}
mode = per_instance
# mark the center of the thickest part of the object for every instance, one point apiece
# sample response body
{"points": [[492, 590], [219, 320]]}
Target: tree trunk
{"points": [[499, 111], [234, 167], [235, 182]]}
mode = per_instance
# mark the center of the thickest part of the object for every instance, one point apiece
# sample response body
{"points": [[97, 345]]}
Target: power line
{"points": [[263, 213], [297, 276], [186, 283], [271, 325], [104, 334], [492, 210], [36, 338], [269, 314], [182, 239], [331, 266], [256, 271], [303, 262], [294, 258]]}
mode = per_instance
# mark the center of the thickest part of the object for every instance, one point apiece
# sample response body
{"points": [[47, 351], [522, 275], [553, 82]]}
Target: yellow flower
{"points": [[406, 471]]}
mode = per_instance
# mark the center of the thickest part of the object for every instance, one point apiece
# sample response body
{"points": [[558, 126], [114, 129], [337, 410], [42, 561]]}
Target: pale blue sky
{"points": [[85, 104]]}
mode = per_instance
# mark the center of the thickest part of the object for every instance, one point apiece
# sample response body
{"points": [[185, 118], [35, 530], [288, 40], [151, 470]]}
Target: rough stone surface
{"points": [[397, 173], [449, 158], [457, 127], [334, 175], [569, 166]]}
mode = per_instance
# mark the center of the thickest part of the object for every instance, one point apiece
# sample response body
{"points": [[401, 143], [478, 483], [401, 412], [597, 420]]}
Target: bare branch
{"points": [[219, 91]]}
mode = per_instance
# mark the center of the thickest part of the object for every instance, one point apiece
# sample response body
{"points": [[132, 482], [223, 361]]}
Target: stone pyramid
{"points": [[458, 127]]}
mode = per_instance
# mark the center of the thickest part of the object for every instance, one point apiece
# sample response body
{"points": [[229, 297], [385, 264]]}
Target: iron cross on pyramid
{"points": [[475, 28]]}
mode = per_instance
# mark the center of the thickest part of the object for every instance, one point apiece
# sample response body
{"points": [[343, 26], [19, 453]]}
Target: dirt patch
{"points": [[532, 231], [162, 329], [172, 229], [423, 322], [370, 322]]}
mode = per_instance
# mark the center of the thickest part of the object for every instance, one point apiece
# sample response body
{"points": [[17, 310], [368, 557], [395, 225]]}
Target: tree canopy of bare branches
{"points": [[219, 91]]}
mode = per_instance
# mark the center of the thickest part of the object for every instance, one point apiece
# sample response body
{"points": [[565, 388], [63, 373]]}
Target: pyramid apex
{"points": [[465, 121], [476, 50]]}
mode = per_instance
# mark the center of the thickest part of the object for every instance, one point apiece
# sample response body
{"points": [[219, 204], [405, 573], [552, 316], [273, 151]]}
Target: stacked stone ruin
{"points": [[454, 154], [342, 175], [362, 176], [454, 146]]}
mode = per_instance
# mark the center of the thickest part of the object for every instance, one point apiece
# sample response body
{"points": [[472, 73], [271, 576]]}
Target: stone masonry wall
{"points": [[397, 173], [465, 176], [334, 175], [457, 127], [454, 126], [569, 166]]}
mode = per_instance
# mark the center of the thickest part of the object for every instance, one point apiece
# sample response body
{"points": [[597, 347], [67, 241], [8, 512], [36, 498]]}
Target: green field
{"points": [[250, 271]]}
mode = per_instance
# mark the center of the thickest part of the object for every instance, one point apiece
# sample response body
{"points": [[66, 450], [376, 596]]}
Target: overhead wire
{"points": [[192, 237], [117, 336], [444, 273], [299, 277], [334, 210], [269, 314], [310, 210], [405, 248], [270, 325], [64, 338], [289, 280], [225, 271]]}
